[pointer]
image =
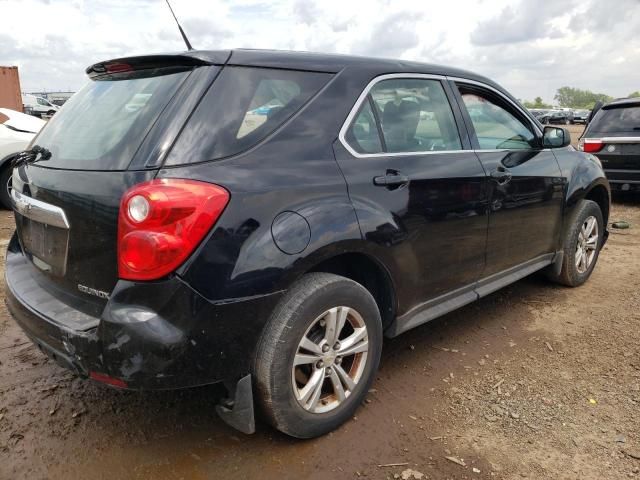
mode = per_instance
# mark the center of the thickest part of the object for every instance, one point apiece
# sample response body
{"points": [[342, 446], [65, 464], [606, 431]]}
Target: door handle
{"points": [[501, 175], [392, 180]]}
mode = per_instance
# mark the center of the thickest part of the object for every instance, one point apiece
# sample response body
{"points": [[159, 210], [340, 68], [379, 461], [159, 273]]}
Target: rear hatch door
{"points": [[109, 136], [617, 126]]}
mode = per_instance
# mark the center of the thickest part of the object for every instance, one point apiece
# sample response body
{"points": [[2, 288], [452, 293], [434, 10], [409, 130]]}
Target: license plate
{"points": [[47, 245]]}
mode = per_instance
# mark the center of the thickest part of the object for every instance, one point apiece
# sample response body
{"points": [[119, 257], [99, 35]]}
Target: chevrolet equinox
{"points": [[264, 219]]}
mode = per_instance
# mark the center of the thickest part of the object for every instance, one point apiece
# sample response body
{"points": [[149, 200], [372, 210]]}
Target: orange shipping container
{"points": [[10, 93]]}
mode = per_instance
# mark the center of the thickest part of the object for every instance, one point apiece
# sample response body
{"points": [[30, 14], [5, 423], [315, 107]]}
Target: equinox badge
{"points": [[93, 291]]}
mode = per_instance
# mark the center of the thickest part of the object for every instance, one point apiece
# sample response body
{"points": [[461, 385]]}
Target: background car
{"points": [[16, 132], [38, 106], [539, 112], [581, 116], [613, 135], [557, 117]]}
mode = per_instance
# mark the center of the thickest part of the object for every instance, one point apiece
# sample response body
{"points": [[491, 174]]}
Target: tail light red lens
{"points": [[161, 223], [592, 145]]}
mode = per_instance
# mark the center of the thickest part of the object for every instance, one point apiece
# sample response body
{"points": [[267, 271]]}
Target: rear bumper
{"points": [[160, 335], [623, 179]]}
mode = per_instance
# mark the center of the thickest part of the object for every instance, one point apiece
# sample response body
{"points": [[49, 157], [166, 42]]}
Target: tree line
{"points": [[574, 98]]}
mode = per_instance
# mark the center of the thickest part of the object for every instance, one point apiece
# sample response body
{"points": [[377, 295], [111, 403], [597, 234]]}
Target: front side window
{"points": [[496, 127]]}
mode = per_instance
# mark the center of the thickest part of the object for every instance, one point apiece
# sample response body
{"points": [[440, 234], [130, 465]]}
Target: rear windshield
{"points": [[243, 106], [102, 125], [616, 120]]}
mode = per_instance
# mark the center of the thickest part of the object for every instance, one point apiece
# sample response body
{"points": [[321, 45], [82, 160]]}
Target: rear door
{"points": [[418, 189], [103, 142], [526, 187]]}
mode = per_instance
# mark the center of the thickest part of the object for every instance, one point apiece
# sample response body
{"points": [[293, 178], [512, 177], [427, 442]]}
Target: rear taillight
{"points": [[161, 222], [591, 145]]}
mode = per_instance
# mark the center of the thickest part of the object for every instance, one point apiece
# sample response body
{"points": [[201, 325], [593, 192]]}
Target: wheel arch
{"points": [[600, 195], [368, 272], [7, 160]]}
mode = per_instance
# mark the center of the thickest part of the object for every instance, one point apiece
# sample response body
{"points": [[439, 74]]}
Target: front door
{"points": [[418, 189], [526, 183]]}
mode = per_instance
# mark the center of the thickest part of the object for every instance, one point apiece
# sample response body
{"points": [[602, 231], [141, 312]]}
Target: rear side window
{"points": [[616, 120], [102, 125], [414, 115], [363, 134], [242, 107]]}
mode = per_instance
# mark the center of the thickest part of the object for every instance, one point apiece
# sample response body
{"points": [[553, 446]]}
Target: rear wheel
{"points": [[582, 244], [5, 185], [317, 355]]}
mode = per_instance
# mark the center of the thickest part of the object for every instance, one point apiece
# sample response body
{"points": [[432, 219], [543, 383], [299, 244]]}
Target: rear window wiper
{"points": [[33, 155]]}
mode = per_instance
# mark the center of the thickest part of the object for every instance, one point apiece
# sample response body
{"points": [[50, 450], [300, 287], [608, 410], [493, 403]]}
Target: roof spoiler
{"points": [[130, 64], [624, 103]]}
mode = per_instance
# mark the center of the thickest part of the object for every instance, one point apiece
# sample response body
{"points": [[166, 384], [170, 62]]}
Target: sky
{"points": [[531, 47]]}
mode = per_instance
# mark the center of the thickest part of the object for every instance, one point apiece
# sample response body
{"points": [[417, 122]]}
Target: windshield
{"points": [[102, 126], [617, 120]]}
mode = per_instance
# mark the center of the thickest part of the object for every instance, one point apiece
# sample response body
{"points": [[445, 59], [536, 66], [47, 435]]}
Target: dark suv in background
{"points": [[613, 134], [557, 117], [265, 218]]}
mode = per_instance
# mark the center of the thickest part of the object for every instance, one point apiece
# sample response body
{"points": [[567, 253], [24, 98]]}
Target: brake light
{"points": [[591, 145], [161, 222], [117, 67]]}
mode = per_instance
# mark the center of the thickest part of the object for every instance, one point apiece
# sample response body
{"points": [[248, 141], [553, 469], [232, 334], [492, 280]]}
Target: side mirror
{"points": [[556, 137]]}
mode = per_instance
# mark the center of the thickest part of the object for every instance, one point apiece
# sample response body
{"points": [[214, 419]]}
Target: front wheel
{"points": [[318, 355], [582, 244]]}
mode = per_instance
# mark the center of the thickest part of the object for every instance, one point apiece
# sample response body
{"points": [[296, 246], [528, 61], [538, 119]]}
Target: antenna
{"points": [[184, 37]]}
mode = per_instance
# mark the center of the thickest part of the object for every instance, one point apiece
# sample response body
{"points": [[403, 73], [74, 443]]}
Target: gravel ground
{"points": [[535, 381]]}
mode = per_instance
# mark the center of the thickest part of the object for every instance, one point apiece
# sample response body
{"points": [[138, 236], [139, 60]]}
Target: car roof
{"points": [[319, 62]]}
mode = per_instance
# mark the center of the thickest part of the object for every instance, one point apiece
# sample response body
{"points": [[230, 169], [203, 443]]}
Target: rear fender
{"points": [[262, 254]]}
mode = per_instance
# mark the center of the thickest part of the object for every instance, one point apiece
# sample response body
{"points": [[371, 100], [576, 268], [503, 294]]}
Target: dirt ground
{"points": [[535, 381]]}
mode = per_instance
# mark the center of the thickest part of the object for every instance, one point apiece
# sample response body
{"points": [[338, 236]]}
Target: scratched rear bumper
{"points": [[152, 335]]}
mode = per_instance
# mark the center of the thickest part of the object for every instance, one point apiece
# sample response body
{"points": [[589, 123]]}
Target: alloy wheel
{"points": [[587, 244], [330, 359]]}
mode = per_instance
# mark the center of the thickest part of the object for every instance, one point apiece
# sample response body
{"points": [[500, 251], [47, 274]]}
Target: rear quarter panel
{"points": [[293, 170]]}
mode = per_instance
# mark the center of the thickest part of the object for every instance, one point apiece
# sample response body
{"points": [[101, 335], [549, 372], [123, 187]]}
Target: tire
{"points": [[300, 314], [5, 179], [51, 113], [571, 274]]}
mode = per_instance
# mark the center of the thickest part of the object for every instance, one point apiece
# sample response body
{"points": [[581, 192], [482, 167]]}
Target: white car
{"points": [[16, 132], [38, 106]]}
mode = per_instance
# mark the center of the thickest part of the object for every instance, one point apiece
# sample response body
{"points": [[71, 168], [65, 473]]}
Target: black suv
{"points": [[265, 218], [613, 134]]}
